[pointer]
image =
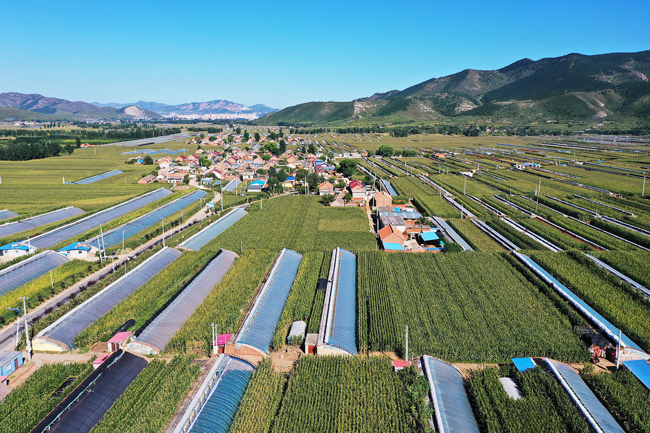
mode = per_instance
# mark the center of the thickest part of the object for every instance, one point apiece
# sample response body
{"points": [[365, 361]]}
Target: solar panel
{"points": [[115, 236], [29, 269], [66, 232], [9, 229]]}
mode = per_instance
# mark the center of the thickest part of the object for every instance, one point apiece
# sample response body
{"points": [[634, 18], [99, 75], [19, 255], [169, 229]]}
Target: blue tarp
{"points": [[641, 369], [429, 236], [523, 364], [260, 324], [389, 246]]}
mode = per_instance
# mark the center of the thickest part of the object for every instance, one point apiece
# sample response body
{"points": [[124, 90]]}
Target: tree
{"points": [[347, 196], [266, 157], [301, 174], [205, 162], [385, 150], [238, 130], [186, 179], [339, 184], [147, 160], [348, 167], [247, 136], [257, 137], [281, 134], [78, 142], [312, 148], [283, 147], [69, 148], [314, 179]]}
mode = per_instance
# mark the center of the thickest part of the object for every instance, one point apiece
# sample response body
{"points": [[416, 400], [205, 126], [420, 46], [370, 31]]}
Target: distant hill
{"points": [[571, 87], [22, 106], [218, 106]]}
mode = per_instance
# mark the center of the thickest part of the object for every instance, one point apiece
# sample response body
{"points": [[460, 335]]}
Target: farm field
{"points": [[424, 197], [544, 405], [360, 394], [459, 307]]}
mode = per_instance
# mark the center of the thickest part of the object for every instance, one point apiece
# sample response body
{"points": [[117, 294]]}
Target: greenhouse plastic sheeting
{"points": [[133, 227], [452, 233], [259, 326], [342, 318], [602, 323], [232, 185], [66, 232], [91, 407], [39, 220], [586, 400], [6, 214], [453, 411], [99, 177], [29, 269], [389, 187], [220, 409], [69, 326], [213, 230], [163, 327]]}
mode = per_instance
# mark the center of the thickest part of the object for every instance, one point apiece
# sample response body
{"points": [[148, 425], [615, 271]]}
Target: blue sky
{"points": [[281, 53]]}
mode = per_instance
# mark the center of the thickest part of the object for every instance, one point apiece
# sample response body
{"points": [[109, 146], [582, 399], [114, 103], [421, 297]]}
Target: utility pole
{"points": [[52, 279], [162, 220], [407, 343], [17, 311], [29, 343]]}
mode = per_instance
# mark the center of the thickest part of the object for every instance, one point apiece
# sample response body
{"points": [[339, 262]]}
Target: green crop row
{"points": [[459, 307]]}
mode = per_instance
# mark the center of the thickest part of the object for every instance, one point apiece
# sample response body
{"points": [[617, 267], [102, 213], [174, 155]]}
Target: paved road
{"points": [[8, 332]]}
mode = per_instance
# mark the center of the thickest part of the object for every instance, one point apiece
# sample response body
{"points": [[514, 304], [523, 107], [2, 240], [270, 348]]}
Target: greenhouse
{"points": [[592, 409], [453, 412], [262, 319], [27, 270], [6, 214], [216, 403], [98, 177], [337, 333], [389, 188], [611, 330], [213, 230], [68, 231], [162, 328], [135, 226], [9, 229], [61, 334], [452, 233], [232, 185]]}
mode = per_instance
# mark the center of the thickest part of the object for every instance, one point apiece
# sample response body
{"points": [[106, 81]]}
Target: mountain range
{"points": [[38, 107], [601, 87], [217, 106]]}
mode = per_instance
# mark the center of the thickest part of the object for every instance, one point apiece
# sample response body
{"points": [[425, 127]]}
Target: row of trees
{"points": [[105, 133], [27, 151]]}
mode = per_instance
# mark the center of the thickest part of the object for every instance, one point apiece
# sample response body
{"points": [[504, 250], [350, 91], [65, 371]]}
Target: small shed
{"points": [[118, 341], [17, 249], [310, 343], [9, 362], [77, 249], [222, 340], [297, 331], [100, 360]]}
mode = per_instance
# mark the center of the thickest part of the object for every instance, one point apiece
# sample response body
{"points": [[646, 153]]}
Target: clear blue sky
{"points": [[281, 53]]}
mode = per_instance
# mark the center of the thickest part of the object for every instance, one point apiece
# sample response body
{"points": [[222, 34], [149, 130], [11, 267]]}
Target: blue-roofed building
{"points": [[388, 246], [256, 186], [337, 332], [77, 249], [641, 369], [16, 249]]}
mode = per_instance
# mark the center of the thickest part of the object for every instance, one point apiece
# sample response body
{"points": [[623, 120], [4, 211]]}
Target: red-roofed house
{"points": [[391, 235], [357, 189]]}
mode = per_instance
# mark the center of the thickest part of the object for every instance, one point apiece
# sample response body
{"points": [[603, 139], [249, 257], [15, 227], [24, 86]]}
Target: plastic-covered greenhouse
{"points": [[389, 187], [9, 229], [98, 177], [6, 214], [158, 333], [213, 230], [592, 409], [66, 232], [582, 306], [115, 236], [215, 405], [453, 411], [338, 320], [64, 330], [260, 323], [232, 185], [29, 269]]}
